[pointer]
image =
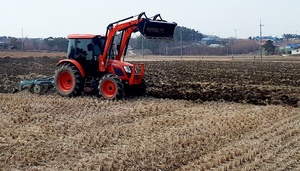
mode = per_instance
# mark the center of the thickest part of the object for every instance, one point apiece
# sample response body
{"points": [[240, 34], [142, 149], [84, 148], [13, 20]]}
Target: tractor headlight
{"points": [[127, 69]]}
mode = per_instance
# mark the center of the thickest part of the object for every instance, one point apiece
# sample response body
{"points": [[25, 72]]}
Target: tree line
{"points": [[186, 41], [59, 44], [291, 36], [190, 42]]}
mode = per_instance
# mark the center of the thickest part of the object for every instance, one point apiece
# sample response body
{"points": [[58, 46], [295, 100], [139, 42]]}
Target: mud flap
{"points": [[156, 29]]}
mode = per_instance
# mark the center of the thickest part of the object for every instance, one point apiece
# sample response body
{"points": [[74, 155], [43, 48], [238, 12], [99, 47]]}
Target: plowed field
{"points": [[198, 115], [237, 81], [253, 82]]}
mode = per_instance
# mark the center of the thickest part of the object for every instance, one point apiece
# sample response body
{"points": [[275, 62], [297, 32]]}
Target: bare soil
{"points": [[271, 81], [254, 82], [199, 114]]}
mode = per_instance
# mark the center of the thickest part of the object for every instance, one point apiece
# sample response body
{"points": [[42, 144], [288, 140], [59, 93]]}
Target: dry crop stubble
{"points": [[259, 148], [85, 133]]}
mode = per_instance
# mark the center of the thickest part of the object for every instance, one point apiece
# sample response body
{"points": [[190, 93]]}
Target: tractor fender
{"points": [[74, 62]]}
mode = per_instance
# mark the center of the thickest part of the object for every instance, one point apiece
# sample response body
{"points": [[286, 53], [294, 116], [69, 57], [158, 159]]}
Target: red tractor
{"points": [[96, 64]]}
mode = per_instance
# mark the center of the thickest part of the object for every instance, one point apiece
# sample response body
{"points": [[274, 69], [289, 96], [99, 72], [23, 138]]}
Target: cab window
{"points": [[78, 49]]}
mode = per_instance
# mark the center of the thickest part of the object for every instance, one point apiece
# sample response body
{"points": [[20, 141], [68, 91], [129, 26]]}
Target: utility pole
{"points": [[166, 50], [253, 47], [232, 47], [285, 50], [233, 43], [235, 33], [143, 46], [260, 30], [181, 42], [22, 40]]}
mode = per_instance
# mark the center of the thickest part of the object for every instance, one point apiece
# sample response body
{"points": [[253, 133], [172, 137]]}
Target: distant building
{"points": [[215, 45], [2, 44], [295, 49], [207, 41], [285, 50], [296, 52]]}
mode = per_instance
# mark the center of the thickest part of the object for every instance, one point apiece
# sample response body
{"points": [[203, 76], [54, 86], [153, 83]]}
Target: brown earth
{"points": [[236, 81], [191, 124], [242, 81]]}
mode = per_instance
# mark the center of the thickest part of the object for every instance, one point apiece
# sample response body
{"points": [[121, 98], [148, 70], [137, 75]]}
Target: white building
{"points": [[295, 49]]}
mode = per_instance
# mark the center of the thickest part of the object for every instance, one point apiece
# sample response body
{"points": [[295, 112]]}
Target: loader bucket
{"points": [[156, 29]]}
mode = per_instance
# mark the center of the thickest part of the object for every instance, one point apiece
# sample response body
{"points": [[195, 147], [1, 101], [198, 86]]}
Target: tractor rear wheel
{"points": [[111, 87], [68, 81]]}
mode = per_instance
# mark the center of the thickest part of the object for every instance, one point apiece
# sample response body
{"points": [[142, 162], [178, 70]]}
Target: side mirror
{"points": [[90, 47]]}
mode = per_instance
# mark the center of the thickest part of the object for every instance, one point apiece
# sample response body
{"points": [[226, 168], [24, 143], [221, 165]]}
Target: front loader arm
{"points": [[152, 28], [128, 28], [124, 42]]}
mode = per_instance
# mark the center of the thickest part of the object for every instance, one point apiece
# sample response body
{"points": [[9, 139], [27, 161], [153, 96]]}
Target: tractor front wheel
{"points": [[136, 90], [68, 81], [141, 88], [111, 87]]}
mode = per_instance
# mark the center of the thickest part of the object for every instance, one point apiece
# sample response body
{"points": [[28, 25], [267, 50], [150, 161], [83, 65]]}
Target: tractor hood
{"points": [[119, 63]]}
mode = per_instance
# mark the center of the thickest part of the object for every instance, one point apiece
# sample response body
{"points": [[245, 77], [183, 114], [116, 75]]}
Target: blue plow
{"points": [[38, 86]]}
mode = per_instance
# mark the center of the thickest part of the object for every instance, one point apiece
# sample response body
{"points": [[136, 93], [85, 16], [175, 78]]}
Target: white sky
{"points": [[58, 18]]}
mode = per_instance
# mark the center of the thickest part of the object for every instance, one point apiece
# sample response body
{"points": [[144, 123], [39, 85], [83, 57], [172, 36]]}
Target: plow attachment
{"points": [[38, 86], [156, 29]]}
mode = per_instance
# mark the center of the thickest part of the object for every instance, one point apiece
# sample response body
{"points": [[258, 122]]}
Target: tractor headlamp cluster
{"points": [[127, 69]]}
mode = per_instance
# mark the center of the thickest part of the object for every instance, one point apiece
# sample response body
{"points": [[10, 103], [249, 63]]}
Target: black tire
{"points": [[38, 89], [15, 90], [141, 88], [68, 81], [111, 87], [137, 90]]}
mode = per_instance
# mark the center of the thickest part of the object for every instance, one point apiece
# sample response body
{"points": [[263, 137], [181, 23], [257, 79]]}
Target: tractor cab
{"points": [[85, 49], [85, 46]]}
